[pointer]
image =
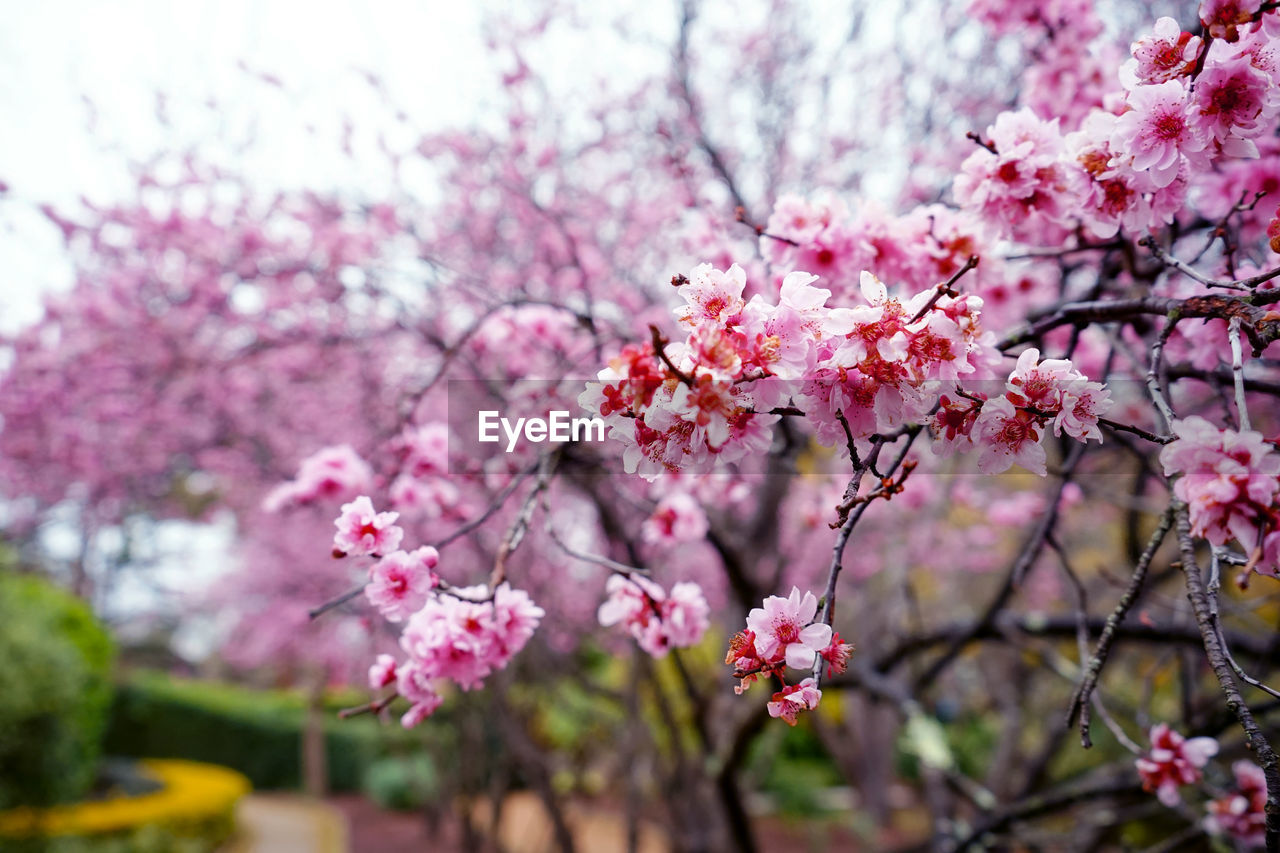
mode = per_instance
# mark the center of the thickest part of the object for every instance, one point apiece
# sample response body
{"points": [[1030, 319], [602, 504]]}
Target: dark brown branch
{"points": [[1080, 701], [1264, 756]]}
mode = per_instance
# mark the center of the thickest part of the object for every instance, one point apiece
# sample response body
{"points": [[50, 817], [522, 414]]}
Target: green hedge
{"points": [[258, 733], [55, 691]]}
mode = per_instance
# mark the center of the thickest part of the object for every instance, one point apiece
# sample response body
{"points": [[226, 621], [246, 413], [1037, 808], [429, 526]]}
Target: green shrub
{"points": [[404, 783], [55, 693], [257, 732]]}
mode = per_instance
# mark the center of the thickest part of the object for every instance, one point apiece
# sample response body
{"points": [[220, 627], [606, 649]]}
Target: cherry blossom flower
{"points": [[836, 654], [677, 518], [1173, 761], [784, 629], [712, 294], [1157, 132], [1241, 814], [1229, 480], [1162, 56], [382, 672], [459, 637], [362, 530], [658, 621], [334, 472], [1006, 436], [791, 700], [1231, 102], [1222, 17], [400, 582]]}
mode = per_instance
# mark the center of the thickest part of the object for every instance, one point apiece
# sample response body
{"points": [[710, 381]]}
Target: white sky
{"points": [[79, 80]]}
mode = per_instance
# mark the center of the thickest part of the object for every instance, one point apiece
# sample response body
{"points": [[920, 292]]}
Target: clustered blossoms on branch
{"points": [[658, 621], [1241, 813], [452, 634], [852, 372], [1132, 160], [1230, 482], [1174, 761], [783, 634]]}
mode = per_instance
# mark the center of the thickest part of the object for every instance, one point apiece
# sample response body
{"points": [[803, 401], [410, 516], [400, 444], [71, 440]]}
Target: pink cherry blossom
{"points": [[362, 530], [658, 621], [331, 473], [1157, 132], [1006, 436], [1222, 17], [677, 518], [1241, 814], [400, 582], [1162, 56], [1229, 480], [784, 629], [1173, 761], [791, 700], [1232, 102], [382, 672]]}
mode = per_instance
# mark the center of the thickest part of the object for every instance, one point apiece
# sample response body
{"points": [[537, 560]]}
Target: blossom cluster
{"points": [[1128, 163], [331, 473], [783, 633], [659, 621], [457, 635], [1241, 813], [1230, 481], [851, 372], [1174, 761], [1011, 428]]}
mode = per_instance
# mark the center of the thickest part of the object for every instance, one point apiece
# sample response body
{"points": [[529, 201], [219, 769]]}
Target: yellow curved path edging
{"points": [[192, 792]]}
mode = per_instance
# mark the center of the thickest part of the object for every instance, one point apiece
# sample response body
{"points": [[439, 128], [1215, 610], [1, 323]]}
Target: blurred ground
{"points": [[285, 823]]}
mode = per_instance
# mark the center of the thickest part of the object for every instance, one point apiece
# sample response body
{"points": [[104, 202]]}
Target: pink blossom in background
{"points": [[677, 518], [362, 530], [332, 473], [1241, 814], [1222, 17], [658, 621], [1173, 761], [1229, 480]]}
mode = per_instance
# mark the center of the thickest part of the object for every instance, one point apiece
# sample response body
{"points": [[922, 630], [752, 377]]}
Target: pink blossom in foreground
{"points": [[1007, 436], [464, 639], [1229, 480], [1241, 814], [1156, 133], [784, 629], [382, 672], [400, 582], [1173, 761], [791, 700], [415, 684], [1231, 103], [363, 530]]}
